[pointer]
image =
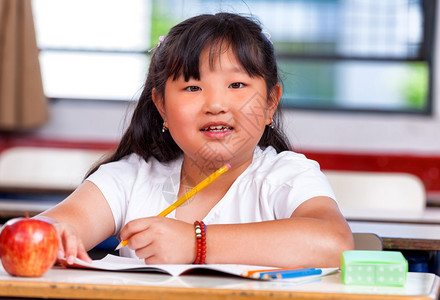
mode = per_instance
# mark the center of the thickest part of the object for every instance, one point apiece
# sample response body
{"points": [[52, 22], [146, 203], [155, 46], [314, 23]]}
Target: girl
{"points": [[210, 98]]}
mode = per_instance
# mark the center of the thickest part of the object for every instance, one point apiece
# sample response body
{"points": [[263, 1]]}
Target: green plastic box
{"points": [[382, 268]]}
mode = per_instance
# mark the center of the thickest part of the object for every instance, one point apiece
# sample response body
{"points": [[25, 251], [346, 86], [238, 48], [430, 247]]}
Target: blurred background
{"points": [[359, 76]]}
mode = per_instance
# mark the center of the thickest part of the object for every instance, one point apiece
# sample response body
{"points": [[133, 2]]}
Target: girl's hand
{"points": [[71, 246], [160, 240]]}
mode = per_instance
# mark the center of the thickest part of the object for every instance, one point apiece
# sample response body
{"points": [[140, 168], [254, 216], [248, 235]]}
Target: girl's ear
{"points": [[158, 102], [274, 100]]}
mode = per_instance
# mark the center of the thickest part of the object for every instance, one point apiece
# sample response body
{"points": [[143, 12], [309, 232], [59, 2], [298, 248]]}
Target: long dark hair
{"points": [[178, 55]]}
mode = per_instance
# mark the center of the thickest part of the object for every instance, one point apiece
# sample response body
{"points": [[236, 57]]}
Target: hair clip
{"points": [[161, 40], [267, 36]]}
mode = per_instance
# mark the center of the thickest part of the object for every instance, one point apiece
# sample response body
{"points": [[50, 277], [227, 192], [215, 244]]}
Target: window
{"points": [[361, 55], [93, 49], [356, 54]]}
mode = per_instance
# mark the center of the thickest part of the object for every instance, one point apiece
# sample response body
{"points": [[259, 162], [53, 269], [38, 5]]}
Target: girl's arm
{"points": [[315, 235], [84, 219]]}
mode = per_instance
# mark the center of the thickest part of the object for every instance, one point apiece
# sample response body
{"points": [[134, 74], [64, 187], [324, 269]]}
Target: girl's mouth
{"points": [[217, 131], [218, 128]]}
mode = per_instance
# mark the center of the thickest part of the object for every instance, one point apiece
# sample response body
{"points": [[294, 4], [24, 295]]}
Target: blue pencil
{"points": [[275, 274], [298, 273]]}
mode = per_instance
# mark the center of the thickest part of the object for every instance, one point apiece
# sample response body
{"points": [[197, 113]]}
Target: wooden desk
{"points": [[431, 215], [402, 236], [400, 232], [17, 208], [17, 202], [78, 284]]}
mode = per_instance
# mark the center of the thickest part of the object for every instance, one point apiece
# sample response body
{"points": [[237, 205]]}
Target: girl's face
{"points": [[219, 118]]}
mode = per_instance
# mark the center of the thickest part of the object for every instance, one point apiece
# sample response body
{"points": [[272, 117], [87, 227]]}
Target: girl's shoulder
{"points": [[134, 165], [284, 165], [268, 156]]}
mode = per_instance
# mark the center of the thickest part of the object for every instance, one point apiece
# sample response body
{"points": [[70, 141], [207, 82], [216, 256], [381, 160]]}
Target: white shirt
{"points": [[272, 187]]}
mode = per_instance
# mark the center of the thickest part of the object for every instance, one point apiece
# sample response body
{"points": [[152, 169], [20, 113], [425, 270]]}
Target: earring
{"points": [[271, 124], [164, 128]]}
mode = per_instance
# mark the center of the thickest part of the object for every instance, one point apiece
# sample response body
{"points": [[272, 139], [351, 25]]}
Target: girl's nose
{"points": [[215, 103], [215, 108]]}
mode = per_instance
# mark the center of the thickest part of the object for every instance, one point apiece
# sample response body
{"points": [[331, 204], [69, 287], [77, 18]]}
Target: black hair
{"points": [[178, 55]]}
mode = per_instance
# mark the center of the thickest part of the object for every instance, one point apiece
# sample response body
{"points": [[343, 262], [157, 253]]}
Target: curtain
{"points": [[23, 104]]}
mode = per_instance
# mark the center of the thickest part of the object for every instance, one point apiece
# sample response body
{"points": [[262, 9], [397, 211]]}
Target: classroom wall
{"points": [[307, 130]]}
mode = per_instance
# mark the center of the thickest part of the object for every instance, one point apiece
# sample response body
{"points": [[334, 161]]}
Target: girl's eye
{"points": [[236, 85], [192, 88]]}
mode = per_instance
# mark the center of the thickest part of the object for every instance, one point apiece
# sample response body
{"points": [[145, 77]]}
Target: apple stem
{"points": [[26, 214]]}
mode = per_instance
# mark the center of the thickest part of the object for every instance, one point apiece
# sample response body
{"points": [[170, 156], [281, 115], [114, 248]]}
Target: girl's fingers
{"points": [[139, 225], [60, 254], [140, 240], [152, 260], [132, 228], [145, 253], [82, 253], [70, 247]]}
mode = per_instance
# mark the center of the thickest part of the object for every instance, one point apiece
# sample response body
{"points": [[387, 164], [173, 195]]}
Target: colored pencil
{"points": [[251, 272], [284, 274], [188, 195], [294, 275]]}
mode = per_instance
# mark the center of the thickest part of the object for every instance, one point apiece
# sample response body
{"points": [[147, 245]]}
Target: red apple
{"points": [[28, 247]]}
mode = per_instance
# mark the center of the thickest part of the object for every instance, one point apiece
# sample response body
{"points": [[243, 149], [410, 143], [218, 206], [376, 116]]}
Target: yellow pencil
{"points": [[188, 195]]}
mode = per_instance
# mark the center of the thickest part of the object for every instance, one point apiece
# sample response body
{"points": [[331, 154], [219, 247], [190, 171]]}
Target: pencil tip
{"points": [[119, 247]]}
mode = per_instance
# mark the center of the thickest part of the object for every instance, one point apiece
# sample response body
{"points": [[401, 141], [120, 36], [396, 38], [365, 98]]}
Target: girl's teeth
{"points": [[217, 128]]}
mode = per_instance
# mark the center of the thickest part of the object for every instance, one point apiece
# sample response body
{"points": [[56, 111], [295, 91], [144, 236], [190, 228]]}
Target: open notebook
{"points": [[117, 263]]}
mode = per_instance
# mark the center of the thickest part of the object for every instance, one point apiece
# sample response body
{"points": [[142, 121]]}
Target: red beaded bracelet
{"points": [[200, 229]]}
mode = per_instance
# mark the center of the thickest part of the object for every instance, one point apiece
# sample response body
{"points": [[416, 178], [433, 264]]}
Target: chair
{"points": [[45, 168], [367, 241], [33, 179], [378, 194]]}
